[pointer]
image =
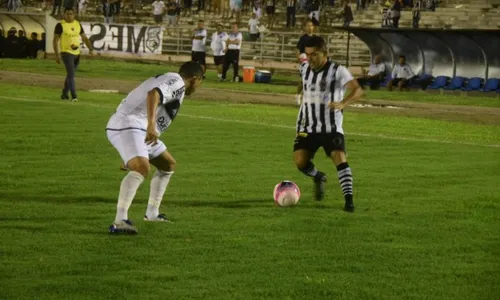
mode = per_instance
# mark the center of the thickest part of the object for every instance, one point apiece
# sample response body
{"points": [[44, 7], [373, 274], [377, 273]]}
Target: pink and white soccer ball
{"points": [[286, 193]]}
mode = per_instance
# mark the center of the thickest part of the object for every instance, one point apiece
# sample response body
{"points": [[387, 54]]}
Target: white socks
{"points": [[158, 186], [128, 188]]}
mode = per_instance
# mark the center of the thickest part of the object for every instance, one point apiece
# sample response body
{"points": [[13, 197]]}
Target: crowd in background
{"points": [[16, 45]]}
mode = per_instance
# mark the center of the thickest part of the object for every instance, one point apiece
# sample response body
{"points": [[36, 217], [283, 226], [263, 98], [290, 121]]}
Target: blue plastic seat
{"points": [[491, 85], [456, 83], [439, 83], [473, 84]]}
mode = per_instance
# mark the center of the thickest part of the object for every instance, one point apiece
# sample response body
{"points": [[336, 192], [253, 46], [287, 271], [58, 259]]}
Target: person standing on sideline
{"points": [[134, 131], [158, 11], [320, 117], [291, 9], [66, 42], [198, 50], [218, 46], [233, 46]]}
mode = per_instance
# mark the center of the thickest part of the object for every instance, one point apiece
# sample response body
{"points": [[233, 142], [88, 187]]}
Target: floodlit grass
{"points": [[281, 84], [426, 225]]}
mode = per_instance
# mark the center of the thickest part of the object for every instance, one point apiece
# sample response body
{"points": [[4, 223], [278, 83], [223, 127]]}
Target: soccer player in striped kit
{"points": [[319, 122]]}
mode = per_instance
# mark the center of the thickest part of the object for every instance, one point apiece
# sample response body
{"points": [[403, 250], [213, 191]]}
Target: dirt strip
{"points": [[477, 115]]}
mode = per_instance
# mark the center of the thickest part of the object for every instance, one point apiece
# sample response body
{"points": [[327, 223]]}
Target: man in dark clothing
{"points": [[11, 45], [33, 45], [23, 44]]}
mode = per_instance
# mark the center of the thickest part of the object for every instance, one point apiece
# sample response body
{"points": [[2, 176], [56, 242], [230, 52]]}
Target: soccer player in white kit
{"points": [[134, 129]]}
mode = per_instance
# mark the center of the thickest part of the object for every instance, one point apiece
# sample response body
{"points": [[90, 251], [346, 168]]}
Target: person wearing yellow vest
{"points": [[67, 39]]}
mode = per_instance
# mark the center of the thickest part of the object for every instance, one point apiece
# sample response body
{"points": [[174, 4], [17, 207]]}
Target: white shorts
{"points": [[130, 143]]}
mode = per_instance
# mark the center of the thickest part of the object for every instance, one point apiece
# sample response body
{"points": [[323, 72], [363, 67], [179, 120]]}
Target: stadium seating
{"points": [[455, 84], [473, 84], [439, 83], [491, 85]]}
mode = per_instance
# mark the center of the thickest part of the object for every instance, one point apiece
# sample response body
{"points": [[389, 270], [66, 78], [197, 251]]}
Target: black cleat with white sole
{"points": [[319, 186]]}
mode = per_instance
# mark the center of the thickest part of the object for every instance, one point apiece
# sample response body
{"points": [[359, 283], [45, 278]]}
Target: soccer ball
{"points": [[286, 193]]}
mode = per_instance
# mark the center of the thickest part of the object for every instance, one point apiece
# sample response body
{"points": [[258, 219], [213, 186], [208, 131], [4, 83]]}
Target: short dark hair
{"points": [[69, 9], [316, 42], [201, 21], [403, 57], [191, 69]]}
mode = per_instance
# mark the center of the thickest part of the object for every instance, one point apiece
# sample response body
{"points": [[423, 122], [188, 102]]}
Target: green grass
{"points": [[426, 225], [282, 84]]}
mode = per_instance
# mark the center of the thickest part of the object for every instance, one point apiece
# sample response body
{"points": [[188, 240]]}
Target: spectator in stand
{"points": [[14, 5], [171, 9], [201, 6], [396, 13], [401, 75], [347, 14], [108, 11], [178, 11], [2, 43], [117, 5], [271, 13], [56, 6], [314, 10], [23, 44], [217, 7], [257, 8], [374, 75], [188, 4], [309, 29], [33, 45], [416, 14], [291, 9], [82, 7], [235, 6], [158, 11], [253, 28]]}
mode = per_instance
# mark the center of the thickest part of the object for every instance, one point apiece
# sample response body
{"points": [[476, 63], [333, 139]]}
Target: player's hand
{"points": [[337, 105], [91, 52], [298, 99], [58, 61], [151, 136]]}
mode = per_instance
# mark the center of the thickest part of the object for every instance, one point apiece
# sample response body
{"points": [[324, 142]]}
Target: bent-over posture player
{"points": [[133, 130], [319, 122]]}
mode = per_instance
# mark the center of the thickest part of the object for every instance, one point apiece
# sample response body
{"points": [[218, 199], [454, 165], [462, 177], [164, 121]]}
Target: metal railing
{"points": [[276, 46]]}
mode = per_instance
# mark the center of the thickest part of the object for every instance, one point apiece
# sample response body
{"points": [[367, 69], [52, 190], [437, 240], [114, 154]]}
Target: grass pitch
{"points": [[426, 225]]}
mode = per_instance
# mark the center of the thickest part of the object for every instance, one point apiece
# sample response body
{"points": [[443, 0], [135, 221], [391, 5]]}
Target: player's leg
{"points": [[335, 149], [203, 62], [303, 152], [236, 66], [165, 167], [227, 62], [132, 148], [390, 84]]}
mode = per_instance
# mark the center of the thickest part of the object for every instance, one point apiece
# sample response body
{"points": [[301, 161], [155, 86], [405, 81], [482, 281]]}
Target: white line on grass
{"points": [[398, 138]]}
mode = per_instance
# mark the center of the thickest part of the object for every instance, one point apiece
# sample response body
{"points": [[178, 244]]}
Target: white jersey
{"points": [[132, 112], [199, 45], [233, 37], [158, 7], [320, 88], [218, 43]]}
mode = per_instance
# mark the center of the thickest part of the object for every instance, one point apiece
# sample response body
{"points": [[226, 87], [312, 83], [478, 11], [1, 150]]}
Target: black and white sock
{"points": [[345, 180], [311, 171]]}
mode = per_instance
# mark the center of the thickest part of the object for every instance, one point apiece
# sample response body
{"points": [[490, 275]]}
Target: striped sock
{"points": [[345, 180], [309, 170]]}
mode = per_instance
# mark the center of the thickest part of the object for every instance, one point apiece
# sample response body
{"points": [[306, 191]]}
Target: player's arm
{"points": [[85, 39], [153, 100], [55, 41], [355, 92]]}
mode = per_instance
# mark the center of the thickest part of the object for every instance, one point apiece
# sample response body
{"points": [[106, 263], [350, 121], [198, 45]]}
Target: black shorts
{"points": [[178, 11], [312, 141], [219, 60], [254, 36], [270, 10], [158, 19], [199, 57], [396, 81]]}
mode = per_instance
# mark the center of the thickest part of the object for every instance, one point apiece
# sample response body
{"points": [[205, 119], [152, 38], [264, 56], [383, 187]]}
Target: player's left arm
{"points": [[153, 100], [86, 40], [351, 84]]}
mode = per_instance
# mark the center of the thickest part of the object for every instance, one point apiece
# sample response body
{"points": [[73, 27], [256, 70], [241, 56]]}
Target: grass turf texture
{"points": [[426, 225], [282, 84]]}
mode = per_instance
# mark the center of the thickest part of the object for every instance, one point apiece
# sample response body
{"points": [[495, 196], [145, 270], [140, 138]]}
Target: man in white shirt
{"points": [[374, 75], [134, 131], [198, 51], [158, 11], [253, 28], [218, 46], [232, 56], [401, 74]]}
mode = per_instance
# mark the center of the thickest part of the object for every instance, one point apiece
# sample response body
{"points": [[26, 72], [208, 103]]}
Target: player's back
{"points": [[136, 101]]}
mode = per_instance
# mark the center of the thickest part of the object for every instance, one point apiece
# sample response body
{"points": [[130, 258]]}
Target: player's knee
{"points": [[301, 162], [140, 165]]}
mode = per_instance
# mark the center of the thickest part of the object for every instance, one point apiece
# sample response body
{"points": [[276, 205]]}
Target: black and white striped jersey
{"points": [[319, 88]]}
